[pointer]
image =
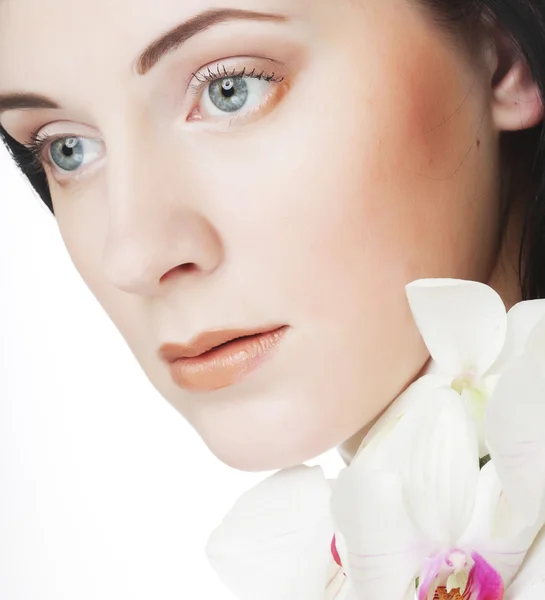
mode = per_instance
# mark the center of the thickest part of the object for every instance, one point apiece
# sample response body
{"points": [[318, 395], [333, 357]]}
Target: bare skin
{"points": [[366, 156]]}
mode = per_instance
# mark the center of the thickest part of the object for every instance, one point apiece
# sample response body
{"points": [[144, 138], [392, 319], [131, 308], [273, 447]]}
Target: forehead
{"points": [[45, 41]]}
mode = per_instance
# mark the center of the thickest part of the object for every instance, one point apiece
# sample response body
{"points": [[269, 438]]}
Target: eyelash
{"points": [[38, 142], [36, 147], [213, 75]]}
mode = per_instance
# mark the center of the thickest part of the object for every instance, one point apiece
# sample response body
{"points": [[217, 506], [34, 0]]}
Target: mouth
{"points": [[219, 359], [225, 344]]}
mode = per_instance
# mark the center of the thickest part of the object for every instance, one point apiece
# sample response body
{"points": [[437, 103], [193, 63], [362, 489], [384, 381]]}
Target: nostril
{"points": [[186, 268]]}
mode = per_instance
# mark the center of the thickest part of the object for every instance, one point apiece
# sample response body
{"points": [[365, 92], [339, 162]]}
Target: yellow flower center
{"points": [[442, 594], [463, 382]]}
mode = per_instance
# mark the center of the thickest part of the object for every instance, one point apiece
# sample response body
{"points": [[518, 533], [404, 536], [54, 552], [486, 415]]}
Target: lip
{"points": [[217, 359]]}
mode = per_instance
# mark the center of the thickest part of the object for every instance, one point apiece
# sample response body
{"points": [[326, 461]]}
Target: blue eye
{"points": [[229, 94], [67, 153], [223, 92]]}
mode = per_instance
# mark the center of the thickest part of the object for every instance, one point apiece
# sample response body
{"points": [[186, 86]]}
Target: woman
{"points": [[278, 171], [287, 167]]}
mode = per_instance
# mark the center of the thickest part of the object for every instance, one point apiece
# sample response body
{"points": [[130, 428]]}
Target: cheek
{"points": [[83, 223], [427, 185], [391, 189]]}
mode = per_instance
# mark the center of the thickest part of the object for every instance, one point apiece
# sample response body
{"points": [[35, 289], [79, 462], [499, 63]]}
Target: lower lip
{"points": [[227, 364]]}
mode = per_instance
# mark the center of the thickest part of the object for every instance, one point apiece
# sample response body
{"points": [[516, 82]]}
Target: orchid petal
{"points": [[431, 569], [534, 592], [442, 466], [343, 591], [434, 449], [338, 585], [383, 547], [463, 323], [536, 342], [521, 320], [406, 401], [275, 542], [336, 580], [476, 399], [515, 434], [484, 582], [496, 531], [529, 583]]}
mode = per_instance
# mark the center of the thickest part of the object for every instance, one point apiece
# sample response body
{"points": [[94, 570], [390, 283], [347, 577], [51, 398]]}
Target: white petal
{"points": [[338, 586], [463, 323], [336, 581], [343, 592], [476, 405], [536, 342], [434, 449], [383, 547], [406, 401], [275, 542], [521, 320], [443, 468], [533, 592], [529, 583], [476, 399], [515, 435], [496, 531]]}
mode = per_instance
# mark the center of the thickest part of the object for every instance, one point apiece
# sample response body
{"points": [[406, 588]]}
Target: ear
{"points": [[516, 100]]}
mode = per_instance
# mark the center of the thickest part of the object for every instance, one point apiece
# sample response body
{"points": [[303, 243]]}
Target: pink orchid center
{"points": [[456, 575]]}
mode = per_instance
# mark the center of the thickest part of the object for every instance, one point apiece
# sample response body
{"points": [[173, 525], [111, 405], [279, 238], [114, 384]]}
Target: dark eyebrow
{"points": [[23, 100], [174, 38], [168, 42]]}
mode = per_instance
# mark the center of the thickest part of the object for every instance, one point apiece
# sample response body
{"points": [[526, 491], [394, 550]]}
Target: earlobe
{"points": [[516, 100]]}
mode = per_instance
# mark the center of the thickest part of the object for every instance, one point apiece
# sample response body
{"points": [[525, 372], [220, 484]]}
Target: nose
{"points": [[156, 232]]}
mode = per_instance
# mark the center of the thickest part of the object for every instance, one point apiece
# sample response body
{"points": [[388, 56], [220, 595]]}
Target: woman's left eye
{"points": [[231, 95]]}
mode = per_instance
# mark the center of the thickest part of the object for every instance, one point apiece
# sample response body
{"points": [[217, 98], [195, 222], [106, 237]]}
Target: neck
{"points": [[349, 448]]}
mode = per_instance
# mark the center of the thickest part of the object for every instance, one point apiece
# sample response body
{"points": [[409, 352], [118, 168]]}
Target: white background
{"points": [[106, 493]]}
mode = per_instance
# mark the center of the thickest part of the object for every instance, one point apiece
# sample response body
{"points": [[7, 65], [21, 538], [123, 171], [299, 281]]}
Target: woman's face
{"points": [[287, 163]]}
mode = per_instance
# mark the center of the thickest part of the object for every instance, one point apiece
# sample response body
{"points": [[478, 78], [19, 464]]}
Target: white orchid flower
{"points": [[515, 429], [529, 583], [470, 337], [276, 542], [412, 505], [414, 508]]}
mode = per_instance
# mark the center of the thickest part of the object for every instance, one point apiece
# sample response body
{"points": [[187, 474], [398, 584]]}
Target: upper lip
{"points": [[204, 342]]}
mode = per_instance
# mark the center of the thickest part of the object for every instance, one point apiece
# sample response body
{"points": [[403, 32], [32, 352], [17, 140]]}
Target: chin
{"points": [[287, 447], [258, 461], [280, 421], [255, 462]]}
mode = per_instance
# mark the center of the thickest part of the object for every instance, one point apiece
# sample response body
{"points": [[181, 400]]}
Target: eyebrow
{"points": [[174, 38], [165, 44]]}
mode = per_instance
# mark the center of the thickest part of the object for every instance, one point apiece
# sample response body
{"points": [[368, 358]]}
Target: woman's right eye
{"points": [[65, 154], [69, 154]]}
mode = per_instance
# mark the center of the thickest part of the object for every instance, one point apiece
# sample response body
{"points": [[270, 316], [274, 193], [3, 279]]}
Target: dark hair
{"points": [[523, 21]]}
